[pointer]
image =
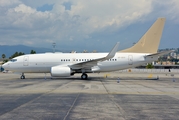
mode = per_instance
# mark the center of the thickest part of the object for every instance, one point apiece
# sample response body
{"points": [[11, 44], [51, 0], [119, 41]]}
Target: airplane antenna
{"points": [[54, 45]]}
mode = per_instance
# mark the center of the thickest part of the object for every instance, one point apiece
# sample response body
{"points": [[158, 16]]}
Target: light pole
{"points": [[54, 44]]}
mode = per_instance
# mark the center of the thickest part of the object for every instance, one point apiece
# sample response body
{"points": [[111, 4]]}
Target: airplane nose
{"points": [[4, 66], [2, 69]]}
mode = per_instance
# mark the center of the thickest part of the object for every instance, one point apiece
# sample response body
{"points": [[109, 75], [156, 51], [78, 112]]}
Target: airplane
{"points": [[68, 64]]}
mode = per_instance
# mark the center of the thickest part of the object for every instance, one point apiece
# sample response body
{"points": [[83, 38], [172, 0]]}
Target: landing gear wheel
{"points": [[23, 77], [84, 76]]}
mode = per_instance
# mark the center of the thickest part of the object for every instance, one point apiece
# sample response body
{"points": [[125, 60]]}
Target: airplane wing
{"points": [[159, 53], [91, 63]]}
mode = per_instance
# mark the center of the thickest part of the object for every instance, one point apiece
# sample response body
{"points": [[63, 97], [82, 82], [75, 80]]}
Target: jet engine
{"points": [[59, 71]]}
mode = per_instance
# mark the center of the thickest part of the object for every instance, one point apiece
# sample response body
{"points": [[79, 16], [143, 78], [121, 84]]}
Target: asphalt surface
{"points": [[108, 96]]}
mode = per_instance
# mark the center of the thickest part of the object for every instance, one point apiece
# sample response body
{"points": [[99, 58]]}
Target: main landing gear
{"points": [[84, 76], [22, 76]]}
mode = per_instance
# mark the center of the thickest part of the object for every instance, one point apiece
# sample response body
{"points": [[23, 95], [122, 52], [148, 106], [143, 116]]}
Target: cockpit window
{"points": [[13, 60]]}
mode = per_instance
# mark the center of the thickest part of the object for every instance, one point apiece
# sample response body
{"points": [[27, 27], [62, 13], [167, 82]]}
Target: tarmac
{"points": [[105, 96]]}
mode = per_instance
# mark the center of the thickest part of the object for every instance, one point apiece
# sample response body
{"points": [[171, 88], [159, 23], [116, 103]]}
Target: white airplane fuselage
{"points": [[42, 63], [67, 64]]}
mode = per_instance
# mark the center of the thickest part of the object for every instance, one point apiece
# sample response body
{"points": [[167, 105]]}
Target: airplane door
{"points": [[26, 61], [130, 59]]}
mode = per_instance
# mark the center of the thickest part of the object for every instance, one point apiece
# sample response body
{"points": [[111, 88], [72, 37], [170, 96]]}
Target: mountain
{"points": [[10, 50]]}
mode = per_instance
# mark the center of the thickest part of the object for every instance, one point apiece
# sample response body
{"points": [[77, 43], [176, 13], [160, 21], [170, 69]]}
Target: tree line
{"points": [[16, 54]]}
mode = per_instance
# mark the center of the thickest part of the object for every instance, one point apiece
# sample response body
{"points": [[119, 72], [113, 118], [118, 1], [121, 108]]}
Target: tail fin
{"points": [[150, 40]]}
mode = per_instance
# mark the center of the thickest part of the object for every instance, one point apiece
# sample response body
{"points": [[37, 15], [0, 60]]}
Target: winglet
{"points": [[113, 51], [92, 63], [160, 53]]}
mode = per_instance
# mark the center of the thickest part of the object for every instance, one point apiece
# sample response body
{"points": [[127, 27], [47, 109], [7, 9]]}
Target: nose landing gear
{"points": [[22, 76]]}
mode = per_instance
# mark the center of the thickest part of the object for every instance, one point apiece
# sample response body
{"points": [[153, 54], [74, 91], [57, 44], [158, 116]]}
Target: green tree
{"points": [[3, 56], [20, 53], [32, 52], [149, 66], [4, 61], [16, 54]]}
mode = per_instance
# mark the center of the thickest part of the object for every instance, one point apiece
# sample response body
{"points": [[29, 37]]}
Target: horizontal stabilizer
{"points": [[160, 53]]}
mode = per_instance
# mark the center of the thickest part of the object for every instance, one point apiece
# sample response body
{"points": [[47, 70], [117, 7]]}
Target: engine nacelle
{"points": [[59, 71]]}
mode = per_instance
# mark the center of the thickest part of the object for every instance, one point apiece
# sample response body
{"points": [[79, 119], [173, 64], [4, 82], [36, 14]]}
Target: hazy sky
{"points": [[85, 24]]}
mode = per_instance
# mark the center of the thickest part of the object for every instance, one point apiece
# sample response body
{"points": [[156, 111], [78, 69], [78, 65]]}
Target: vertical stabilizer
{"points": [[150, 40]]}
